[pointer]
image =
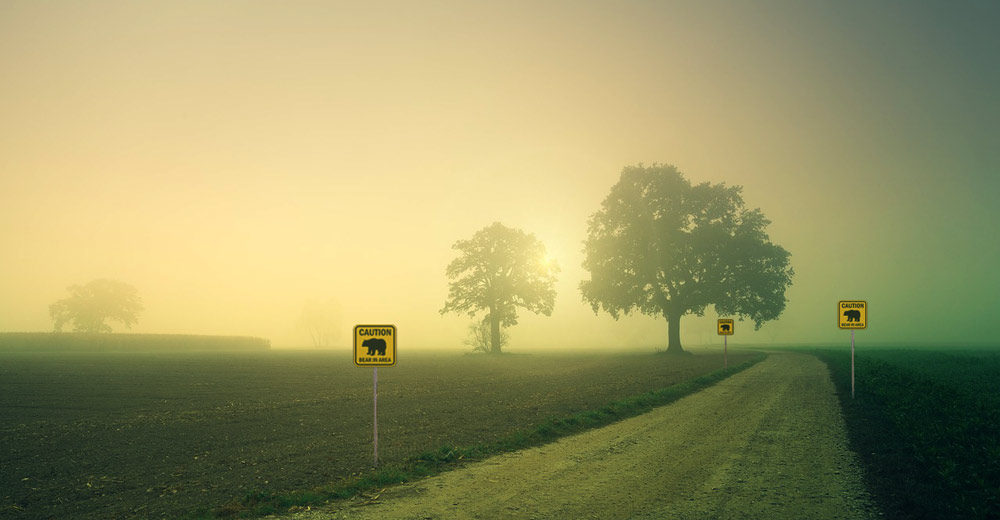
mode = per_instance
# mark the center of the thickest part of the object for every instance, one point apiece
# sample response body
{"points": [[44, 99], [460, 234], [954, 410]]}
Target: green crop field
{"points": [[163, 435], [926, 424]]}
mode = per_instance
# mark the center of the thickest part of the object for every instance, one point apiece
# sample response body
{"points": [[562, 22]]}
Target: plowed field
{"points": [[124, 435]]}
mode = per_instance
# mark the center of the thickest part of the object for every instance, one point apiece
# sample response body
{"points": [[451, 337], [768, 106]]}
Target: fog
{"points": [[236, 160]]}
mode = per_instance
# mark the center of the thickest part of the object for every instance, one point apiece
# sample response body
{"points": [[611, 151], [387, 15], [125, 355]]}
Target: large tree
{"points": [[666, 248], [498, 270], [89, 306]]}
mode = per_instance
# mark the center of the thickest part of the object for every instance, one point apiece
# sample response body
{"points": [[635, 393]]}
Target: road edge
{"points": [[260, 503]]}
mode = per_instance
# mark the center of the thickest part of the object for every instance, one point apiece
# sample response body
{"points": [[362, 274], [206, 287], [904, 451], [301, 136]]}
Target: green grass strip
{"points": [[931, 450], [259, 503]]}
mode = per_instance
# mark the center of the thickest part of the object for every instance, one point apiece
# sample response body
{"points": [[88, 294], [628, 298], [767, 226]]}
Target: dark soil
{"points": [[142, 435]]}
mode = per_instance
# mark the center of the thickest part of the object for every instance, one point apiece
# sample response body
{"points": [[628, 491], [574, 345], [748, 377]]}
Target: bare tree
{"points": [[321, 321], [480, 339]]}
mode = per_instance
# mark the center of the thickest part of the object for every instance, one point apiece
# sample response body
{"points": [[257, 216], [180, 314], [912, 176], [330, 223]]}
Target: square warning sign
{"points": [[852, 314], [374, 345], [726, 327]]}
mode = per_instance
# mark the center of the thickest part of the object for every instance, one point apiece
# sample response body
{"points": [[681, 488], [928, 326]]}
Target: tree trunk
{"points": [[674, 335], [494, 331]]}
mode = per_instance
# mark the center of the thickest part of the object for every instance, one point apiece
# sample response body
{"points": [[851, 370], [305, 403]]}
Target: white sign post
{"points": [[852, 314], [726, 328], [375, 346]]}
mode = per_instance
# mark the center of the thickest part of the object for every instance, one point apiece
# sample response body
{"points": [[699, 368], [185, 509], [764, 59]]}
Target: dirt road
{"points": [[766, 443]]}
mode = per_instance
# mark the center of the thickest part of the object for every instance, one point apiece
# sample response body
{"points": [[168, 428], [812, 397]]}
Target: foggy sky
{"points": [[233, 160]]}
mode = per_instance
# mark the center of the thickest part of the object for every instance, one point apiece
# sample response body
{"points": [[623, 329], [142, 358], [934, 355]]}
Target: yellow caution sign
{"points": [[374, 345], [852, 314], [726, 327]]}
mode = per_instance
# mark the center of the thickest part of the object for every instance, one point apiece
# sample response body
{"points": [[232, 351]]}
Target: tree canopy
{"points": [[664, 247], [89, 306], [499, 270]]}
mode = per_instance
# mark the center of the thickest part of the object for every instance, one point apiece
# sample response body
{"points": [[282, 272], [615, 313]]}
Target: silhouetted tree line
{"points": [[658, 245]]}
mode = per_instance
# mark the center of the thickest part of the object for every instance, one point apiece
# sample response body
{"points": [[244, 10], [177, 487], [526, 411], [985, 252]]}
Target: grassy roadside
{"points": [[263, 502], [930, 446]]}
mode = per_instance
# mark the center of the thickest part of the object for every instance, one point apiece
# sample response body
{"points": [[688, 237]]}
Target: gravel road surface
{"points": [[768, 442]]}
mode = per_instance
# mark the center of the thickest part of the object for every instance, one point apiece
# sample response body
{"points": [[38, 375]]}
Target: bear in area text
{"points": [[374, 345]]}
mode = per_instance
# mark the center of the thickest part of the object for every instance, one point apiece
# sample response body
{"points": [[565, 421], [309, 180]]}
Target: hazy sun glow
{"points": [[234, 161]]}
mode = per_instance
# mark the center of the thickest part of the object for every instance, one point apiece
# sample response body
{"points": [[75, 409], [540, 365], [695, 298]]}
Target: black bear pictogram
{"points": [[853, 315], [374, 345], [724, 327]]}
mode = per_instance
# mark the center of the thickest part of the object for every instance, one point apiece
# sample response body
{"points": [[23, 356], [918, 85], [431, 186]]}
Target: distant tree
{"points": [[480, 338], [321, 321], [500, 269], [90, 306], [666, 248]]}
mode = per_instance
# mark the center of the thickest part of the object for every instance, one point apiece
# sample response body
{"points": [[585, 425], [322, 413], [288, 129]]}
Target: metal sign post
{"points": [[852, 364], [375, 346], [725, 326], [852, 314]]}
